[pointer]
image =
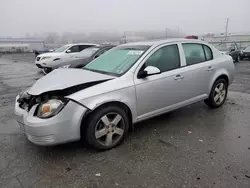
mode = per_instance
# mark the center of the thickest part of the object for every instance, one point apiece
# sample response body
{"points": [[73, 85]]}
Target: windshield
{"points": [[88, 52], [117, 61], [62, 49], [247, 48]]}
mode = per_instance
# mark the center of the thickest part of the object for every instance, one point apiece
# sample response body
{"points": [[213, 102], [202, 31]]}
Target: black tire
{"points": [[241, 58], [47, 70], [237, 59], [92, 124], [210, 102]]}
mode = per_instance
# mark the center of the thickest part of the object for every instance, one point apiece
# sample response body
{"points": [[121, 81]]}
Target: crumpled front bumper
{"points": [[61, 128]]}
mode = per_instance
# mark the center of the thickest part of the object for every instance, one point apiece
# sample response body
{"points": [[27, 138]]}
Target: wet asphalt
{"points": [[190, 147]]}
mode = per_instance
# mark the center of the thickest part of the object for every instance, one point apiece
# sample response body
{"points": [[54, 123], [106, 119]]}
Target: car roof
{"points": [[159, 42], [82, 44], [105, 46]]}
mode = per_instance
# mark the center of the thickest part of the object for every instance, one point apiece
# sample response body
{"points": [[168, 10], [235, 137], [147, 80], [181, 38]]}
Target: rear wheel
{"points": [[107, 127], [218, 94], [47, 70]]}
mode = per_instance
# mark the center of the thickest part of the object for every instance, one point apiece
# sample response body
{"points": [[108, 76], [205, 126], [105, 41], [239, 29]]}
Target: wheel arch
{"points": [[108, 103], [220, 75]]}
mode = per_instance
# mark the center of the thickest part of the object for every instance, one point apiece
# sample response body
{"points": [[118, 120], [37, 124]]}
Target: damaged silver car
{"points": [[128, 84]]}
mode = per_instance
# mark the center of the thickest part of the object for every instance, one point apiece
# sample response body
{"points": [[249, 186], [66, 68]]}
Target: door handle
{"points": [[210, 68], [178, 77]]}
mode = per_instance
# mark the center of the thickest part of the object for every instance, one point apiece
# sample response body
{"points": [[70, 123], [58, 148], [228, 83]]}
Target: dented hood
{"points": [[60, 79]]}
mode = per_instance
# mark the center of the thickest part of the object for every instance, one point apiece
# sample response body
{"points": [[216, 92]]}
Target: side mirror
{"points": [[148, 71], [68, 51]]}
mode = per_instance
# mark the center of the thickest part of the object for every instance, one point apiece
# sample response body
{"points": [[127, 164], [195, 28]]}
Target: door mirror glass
{"points": [[148, 71], [68, 51]]}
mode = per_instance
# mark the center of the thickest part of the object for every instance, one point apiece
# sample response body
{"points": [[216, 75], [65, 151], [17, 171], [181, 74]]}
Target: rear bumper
{"points": [[61, 128]]}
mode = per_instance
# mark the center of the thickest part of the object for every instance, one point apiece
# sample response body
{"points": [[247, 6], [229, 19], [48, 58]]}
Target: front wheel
{"points": [[47, 70], [107, 127], [218, 94], [237, 59]]}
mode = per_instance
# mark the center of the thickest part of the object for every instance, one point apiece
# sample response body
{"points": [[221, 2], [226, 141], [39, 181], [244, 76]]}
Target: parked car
{"points": [[191, 37], [233, 51], [79, 60], [62, 52], [245, 53], [130, 83]]}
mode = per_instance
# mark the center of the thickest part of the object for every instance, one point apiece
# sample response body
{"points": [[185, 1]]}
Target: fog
{"points": [[19, 17]]}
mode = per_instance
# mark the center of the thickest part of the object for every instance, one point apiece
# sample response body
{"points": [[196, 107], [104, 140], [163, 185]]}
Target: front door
{"points": [[156, 92]]}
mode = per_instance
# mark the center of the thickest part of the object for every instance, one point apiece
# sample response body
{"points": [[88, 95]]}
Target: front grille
{"points": [[38, 58], [39, 66]]}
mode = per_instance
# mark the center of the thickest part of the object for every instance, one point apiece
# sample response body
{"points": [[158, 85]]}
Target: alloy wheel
{"points": [[109, 129], [219, 93]]}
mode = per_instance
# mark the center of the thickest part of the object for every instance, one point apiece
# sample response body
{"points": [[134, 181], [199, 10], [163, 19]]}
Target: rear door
{"points": [[199, 70]]}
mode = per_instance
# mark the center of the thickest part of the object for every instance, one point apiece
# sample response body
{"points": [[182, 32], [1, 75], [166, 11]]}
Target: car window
{"points": [[102, 52], [194, 53], [61, 49], [166, 58], [208, 53], [82, 47], [74, 49], [118, 60], [247, 48], [88, 52]]}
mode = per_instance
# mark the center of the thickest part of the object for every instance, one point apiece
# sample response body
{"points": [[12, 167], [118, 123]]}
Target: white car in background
{"points": [[63, 52]]}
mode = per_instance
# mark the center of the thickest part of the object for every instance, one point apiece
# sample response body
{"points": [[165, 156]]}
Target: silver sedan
{"points": [[128, 84]]}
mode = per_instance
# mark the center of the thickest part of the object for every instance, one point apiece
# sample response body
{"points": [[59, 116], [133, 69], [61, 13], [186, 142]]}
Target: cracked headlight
{"points": [[50, 108], [24, 93]]}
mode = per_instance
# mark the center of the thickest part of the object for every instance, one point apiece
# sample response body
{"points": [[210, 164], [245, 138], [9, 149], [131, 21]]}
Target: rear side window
{"points": [[194, 53], [208, 53]]}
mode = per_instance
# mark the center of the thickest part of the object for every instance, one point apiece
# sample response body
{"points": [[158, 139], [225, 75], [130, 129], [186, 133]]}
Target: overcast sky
{"points": [[18, 17]]}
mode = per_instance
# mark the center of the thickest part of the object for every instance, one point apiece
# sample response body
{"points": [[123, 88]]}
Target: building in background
{"points": [[21, 45], [241, 39]]}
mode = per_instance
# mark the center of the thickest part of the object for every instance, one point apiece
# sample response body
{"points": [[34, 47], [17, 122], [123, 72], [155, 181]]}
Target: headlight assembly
{"points": [[50, 108], [46, 57], [66, 66]]}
